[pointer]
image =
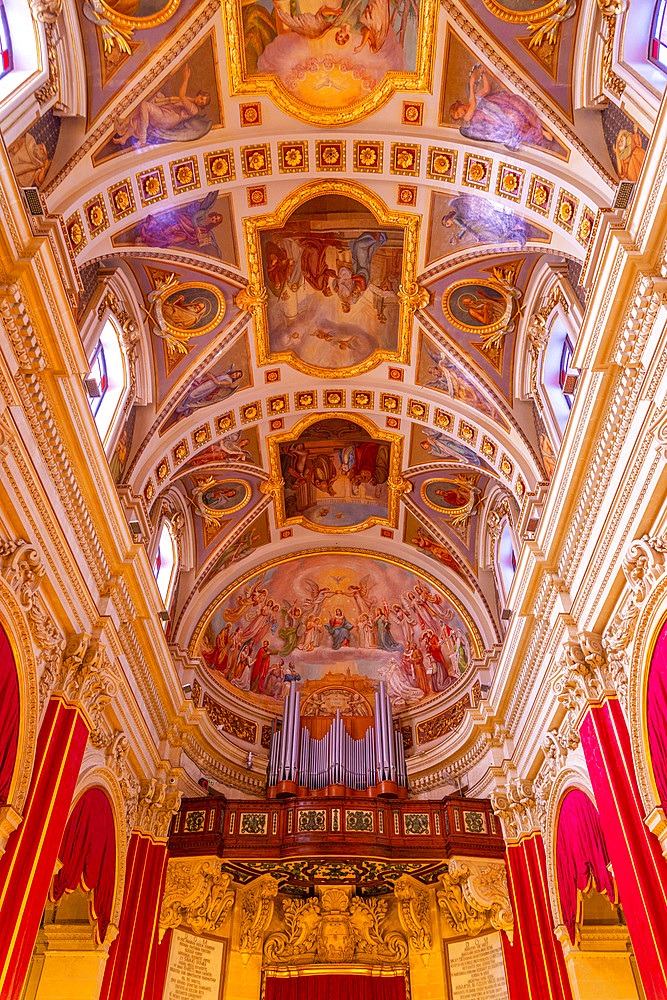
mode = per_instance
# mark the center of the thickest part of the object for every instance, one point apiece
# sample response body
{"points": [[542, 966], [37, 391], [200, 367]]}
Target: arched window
{"points": [[658, 47], [108, 371], [505, 559], [6, 56], [556, 362], [165, 564]]}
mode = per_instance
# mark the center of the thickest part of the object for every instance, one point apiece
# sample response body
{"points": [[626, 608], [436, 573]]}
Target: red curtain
{"points": [[581, 855], [656, 714], [88, 856], [9, 715], [333, 987]]}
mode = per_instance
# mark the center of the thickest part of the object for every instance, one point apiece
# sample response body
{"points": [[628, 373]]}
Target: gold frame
{"points": [[415, 81], [476, 330], [410, 296], [417, 571], [275, 485]]}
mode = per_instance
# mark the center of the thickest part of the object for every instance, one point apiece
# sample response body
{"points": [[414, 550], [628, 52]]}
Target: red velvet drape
{"points": [[656, 714], [9, 715], [88, 855], [581, 854], [333, 987]]}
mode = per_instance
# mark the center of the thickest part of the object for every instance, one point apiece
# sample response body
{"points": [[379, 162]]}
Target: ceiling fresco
{"points": [[328, 225]]}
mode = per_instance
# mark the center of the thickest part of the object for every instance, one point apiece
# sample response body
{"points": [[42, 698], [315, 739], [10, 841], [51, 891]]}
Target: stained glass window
{"points": [[5, 43], [98, 370], [658, 49]]}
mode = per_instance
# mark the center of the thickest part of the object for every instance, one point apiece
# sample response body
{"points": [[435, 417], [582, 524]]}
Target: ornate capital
{"points": [[584, 675], [517, 809], [85, 677], [257, 904], [413, 912], [475, 895], [158, 801], [46, 11], [196, 893]]}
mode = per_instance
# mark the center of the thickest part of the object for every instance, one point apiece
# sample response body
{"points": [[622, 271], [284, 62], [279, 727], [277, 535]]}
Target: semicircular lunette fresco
{"points": [[338, 618]]}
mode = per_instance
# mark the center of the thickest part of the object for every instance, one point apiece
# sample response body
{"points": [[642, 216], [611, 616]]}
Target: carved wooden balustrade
{"points": [[240, 828]]}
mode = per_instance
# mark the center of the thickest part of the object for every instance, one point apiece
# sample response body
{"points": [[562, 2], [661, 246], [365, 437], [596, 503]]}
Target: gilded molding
{"points": [[410, 296], [396, 484], [241, 83], [197, 894]]}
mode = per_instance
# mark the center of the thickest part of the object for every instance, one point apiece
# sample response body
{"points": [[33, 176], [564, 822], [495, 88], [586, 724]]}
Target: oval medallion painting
{"points": [[342, 620], [476, 306], [192, 306]]}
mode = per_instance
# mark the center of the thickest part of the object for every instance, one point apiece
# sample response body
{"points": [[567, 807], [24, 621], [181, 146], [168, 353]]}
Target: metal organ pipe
{"points": [[391, 740]]}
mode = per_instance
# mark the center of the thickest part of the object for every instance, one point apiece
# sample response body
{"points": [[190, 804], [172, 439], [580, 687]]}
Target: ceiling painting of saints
{"points": [[338, 613], [325, 63], [438, 371], [214, 386], [337, 473], [466, 219], [204, 226], [333, 270], [183, 108], [476, 103]]}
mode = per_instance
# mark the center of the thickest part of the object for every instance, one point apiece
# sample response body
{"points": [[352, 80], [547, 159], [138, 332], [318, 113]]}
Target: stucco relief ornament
{"points": [[85, 677], [517, 808], [197, 894], [334, 929], [257, 904], [46, 11], [158, 801], [474, 895], [23, 571], [413, 912], [643, 565]]}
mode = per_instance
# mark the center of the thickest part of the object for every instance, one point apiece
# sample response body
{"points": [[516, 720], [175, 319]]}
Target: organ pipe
{"points": [[336, 758]]}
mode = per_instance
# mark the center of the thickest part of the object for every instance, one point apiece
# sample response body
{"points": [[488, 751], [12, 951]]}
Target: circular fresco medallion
{"points": [[445, 495], [193, 307], [226, 495], [477, 306]]}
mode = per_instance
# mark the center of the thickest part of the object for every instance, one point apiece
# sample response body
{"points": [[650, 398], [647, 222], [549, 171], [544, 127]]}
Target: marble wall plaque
{"points": [[477, 970], [195, 968]]}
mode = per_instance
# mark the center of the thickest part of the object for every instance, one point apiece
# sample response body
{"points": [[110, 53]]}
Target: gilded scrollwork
{"points": [[257, 903], [335, 927], [414, 913], [197, 894], [475, 895]]}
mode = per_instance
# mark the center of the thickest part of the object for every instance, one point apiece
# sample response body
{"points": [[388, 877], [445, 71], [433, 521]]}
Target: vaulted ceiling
{"points": [[325, 230]]}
